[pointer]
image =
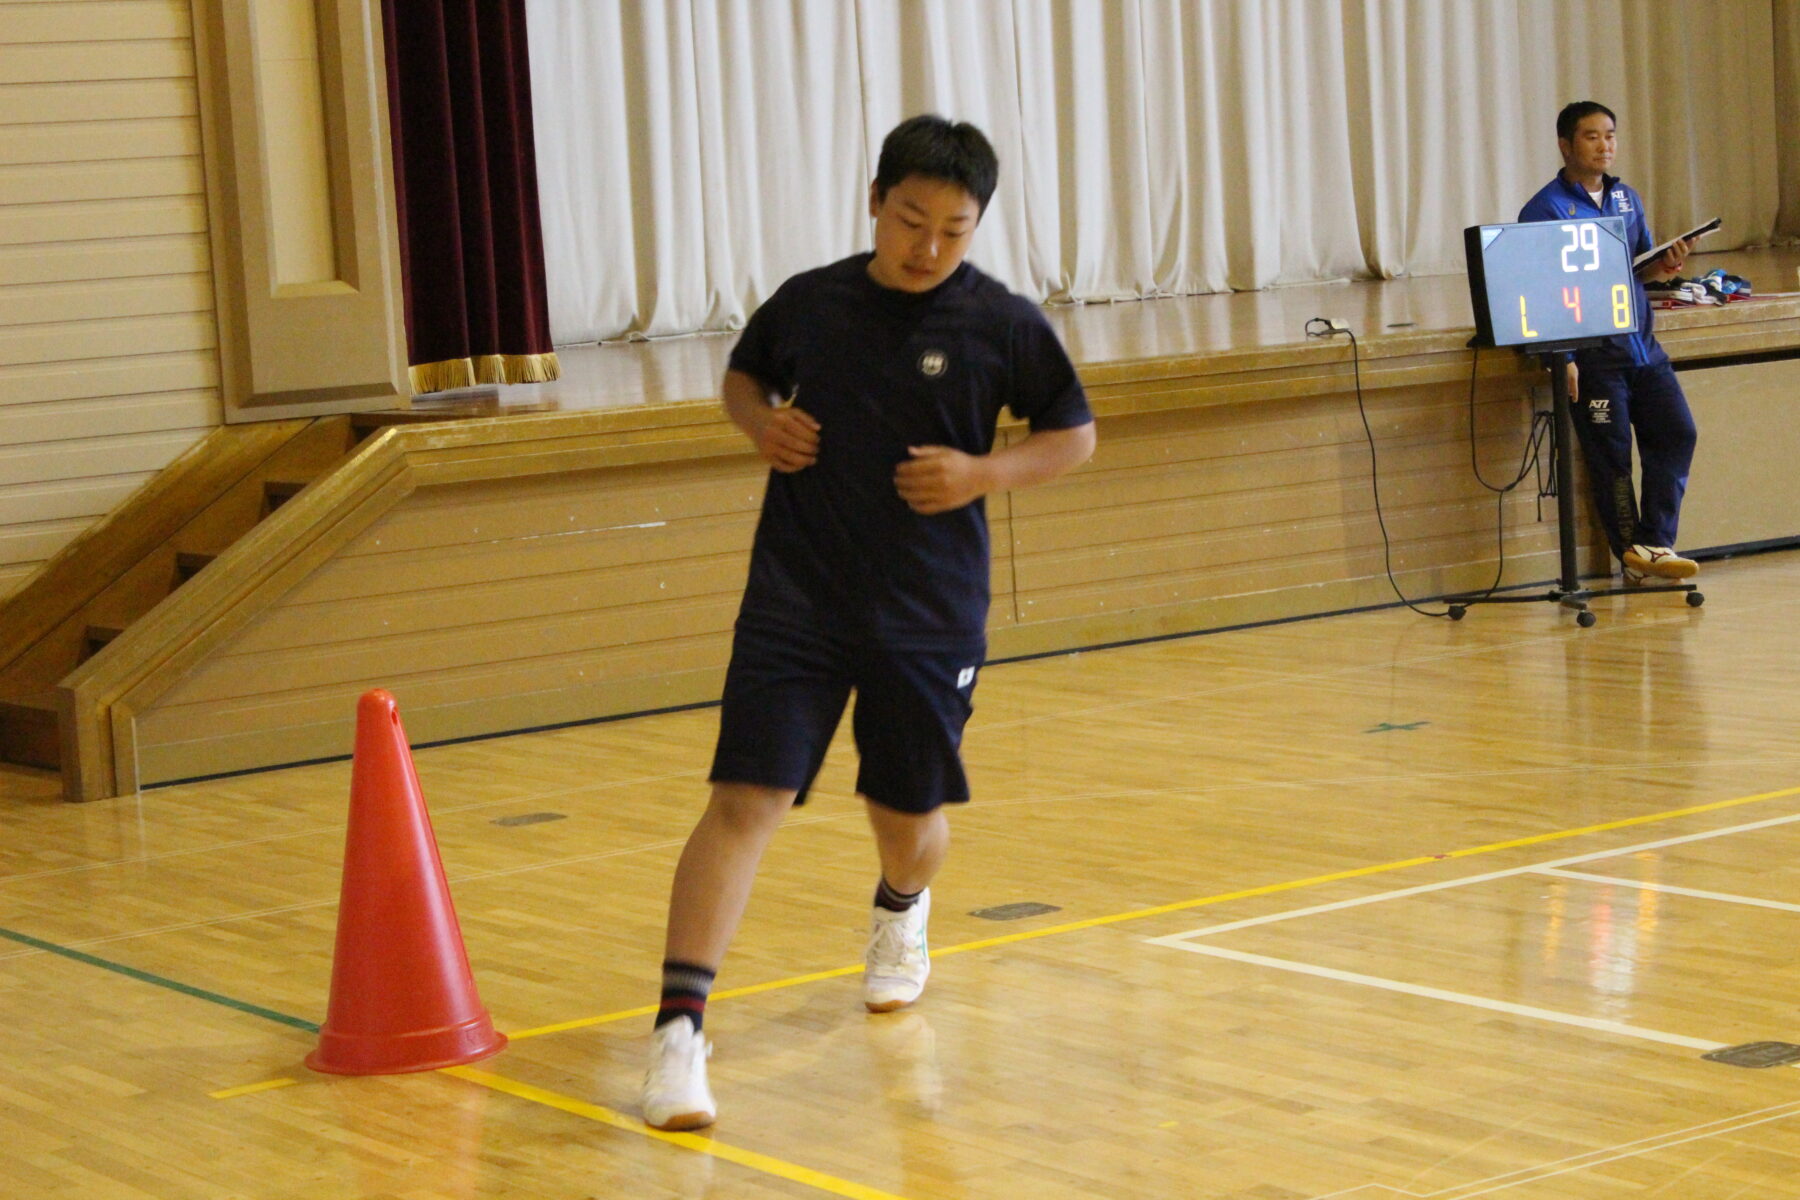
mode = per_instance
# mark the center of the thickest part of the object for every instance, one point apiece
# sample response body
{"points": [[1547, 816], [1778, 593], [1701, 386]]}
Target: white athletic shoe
{"points": [[675, 1094], [898, 960], [1659, 561]]}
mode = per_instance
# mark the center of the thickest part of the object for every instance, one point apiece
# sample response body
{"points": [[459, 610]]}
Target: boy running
{"points": [[872, 387]]}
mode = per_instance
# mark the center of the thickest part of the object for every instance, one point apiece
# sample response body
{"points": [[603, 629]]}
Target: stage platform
{"points": [[1113, 340]]}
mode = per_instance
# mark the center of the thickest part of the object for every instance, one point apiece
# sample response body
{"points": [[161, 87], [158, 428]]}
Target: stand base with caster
{"points": [[1568, 592], [1576, 599]]}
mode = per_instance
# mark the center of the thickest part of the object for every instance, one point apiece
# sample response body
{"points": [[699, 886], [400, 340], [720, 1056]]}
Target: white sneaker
{"points": [[1659, 561], [675, 1094], [898, 960]]}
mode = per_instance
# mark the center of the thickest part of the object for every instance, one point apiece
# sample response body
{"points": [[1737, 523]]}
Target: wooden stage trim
{"points": [[551, 566]]}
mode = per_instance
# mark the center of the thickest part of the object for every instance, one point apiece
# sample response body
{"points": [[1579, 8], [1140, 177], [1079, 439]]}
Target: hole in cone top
{"points": [[377, 701]]}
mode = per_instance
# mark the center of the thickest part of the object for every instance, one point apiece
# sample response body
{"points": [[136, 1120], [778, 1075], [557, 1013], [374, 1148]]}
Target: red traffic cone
{"points": [[402, 997]]}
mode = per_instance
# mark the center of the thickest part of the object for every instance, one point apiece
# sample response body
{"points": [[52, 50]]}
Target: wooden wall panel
{"points": [[63, 501], [66, 183], [100, 141], [36, 224], [100, 256], [79, 55], [181, 741], [533, 600], [1744, 486], [35, 541], [108, 361], [511, 602], [86, 458], [152, 413], [1183, 507], [96, 101], [54, 342], [94, 378], [115, 20], [88, 300]]}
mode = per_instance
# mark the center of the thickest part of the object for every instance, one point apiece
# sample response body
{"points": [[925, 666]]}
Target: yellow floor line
{"points": [[699, 1142], [649, 1010], [1138, 914], [646, 1010], [266, 1085]]}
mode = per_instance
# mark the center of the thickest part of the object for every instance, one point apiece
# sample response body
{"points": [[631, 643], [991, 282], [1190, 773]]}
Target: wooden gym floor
{"points": [[1369, 907]]}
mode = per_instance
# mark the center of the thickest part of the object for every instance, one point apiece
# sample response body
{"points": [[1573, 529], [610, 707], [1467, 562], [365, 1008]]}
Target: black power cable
{"points": [[1531, 458]]}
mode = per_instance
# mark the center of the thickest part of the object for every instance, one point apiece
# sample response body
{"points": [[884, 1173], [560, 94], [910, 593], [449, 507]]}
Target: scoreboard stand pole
{"points": [[1568, 592]]}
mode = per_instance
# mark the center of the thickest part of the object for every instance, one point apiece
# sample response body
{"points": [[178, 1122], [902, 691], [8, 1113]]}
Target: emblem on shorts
{"points": [[1600, 410], [965, 677], [933, 363]]}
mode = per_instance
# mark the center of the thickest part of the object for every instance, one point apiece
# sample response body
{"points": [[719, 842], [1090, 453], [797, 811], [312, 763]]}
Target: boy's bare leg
{"points": [[706, 902], [717, 867], [912, 845], [912, 848]]}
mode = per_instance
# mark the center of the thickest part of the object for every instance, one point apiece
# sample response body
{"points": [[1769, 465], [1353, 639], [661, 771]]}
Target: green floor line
{"points": [[255, 1010]]}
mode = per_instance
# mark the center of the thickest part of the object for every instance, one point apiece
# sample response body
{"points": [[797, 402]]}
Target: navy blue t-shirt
{"points": [[1559, 200], [881, 370]]}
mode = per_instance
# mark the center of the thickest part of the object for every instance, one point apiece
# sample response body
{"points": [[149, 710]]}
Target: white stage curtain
{"points": [[694, 153]]}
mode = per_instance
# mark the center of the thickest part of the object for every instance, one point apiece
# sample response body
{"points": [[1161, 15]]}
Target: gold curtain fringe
{"points": [[484, 368]]}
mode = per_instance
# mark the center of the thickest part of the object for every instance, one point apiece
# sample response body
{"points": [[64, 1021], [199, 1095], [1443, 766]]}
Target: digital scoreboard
{"points": [[1544, 283]]}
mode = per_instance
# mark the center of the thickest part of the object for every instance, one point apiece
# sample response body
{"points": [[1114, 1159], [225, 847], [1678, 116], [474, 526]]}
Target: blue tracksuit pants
{"points": [[1613, 405]]}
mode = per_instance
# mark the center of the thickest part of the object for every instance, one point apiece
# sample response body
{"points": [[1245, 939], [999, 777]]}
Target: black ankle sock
{"points": [[892, 900], [685, 987]]}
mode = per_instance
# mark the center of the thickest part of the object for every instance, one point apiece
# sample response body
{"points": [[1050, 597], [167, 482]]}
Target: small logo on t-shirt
{"points": [[965, 677], [933, 363], [1571, 210]]}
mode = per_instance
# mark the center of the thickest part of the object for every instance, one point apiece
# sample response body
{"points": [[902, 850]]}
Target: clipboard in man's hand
{"points": [[1655, 252]]}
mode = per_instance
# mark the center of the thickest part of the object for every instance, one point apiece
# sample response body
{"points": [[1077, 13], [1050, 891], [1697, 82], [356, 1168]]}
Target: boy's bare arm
{"points": [[787, 437], [939, 478]]}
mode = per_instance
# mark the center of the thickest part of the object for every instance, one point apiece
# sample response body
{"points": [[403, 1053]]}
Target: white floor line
{"points": [[1585, 1161], [1576, 1162], [1620, 1150], [1177, 939], [1431, 993], [1506, 1181], [1671, 889]]}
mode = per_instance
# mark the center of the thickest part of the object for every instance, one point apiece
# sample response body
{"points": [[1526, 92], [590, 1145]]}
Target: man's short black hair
{"points": [[1572, 114], [931, 146]]}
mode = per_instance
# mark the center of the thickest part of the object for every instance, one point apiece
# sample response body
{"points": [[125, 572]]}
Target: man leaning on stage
{"points": [[1625, 385]]}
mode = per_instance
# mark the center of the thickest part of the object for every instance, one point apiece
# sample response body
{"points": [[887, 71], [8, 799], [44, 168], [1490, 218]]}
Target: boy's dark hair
{"points": [[931, 146], [1572, 114]]}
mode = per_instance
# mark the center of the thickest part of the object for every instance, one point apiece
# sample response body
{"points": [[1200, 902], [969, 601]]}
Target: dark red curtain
{"points": [[465, 175]]}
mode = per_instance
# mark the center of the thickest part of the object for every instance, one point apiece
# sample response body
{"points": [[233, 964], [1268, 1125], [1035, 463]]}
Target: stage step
{"points": [[130, 563], [96, 638], [277, 492], [189, 564], [28, 735]]}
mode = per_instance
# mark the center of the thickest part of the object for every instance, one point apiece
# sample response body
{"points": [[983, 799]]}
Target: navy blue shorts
{"points": [[786, 691]]}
